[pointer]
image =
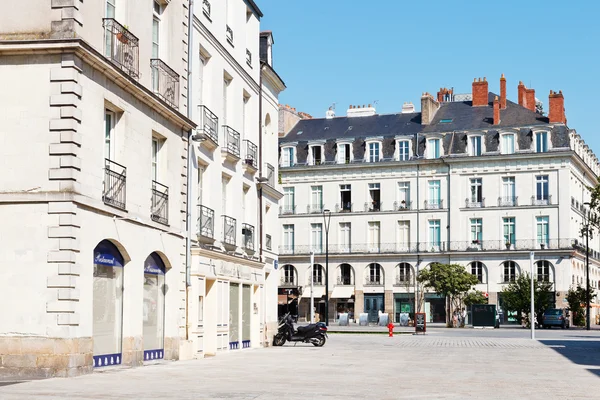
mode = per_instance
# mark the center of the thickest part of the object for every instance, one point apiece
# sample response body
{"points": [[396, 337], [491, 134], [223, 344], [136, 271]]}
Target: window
{"points": [[510, 271], [225, 90], [374, 155], [289, 275], [316, 155], [346, 198], [245, 100], [288, 157], [289, 206], [477, 269], [374, 275], [224, 182], [343, 153], [541, 185], [110, 8], [541, 142], [375, 194], [403, 195], [543, 271], [434, 199], [317, 274], [475, 145], [508, 144], [201, 170], [433, 148], [200, 310], [508, 224], [155, 36], [476, 230], [269, 242], [476, 198], [288, 238], [508, 191], [109, 133], [404, 273], [316, 196], [542, 230], [403, 150], [434, 234], [374, 236], [345, 277], [316, 238], [403, 235], [156, 145], [345, 237]]}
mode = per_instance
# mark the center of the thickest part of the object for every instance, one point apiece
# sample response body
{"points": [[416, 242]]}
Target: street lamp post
{"points": [[326, 219], [587, 269]]}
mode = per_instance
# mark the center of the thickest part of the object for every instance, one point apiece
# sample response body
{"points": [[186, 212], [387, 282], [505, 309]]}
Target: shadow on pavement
{"points": [[582, 352]]}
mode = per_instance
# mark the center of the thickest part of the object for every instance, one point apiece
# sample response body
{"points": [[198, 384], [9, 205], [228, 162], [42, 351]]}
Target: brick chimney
{"points": [[502, 92], [444, 94], [480, 92], [556, 104], [521, 94], [429, 107], [496, 111], [530, 99]]}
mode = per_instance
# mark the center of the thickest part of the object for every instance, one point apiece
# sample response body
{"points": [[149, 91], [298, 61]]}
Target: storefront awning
{"points": [[342, 292], [318, 291]]}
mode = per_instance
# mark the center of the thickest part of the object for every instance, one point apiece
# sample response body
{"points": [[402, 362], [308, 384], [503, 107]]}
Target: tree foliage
{"points": [[448, 280], [474, 297], [577, 298], [517, 296]]}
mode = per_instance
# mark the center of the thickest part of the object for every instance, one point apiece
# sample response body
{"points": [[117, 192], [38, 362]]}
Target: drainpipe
{"points": [[188, 206], [417, 308], [260, 163]]}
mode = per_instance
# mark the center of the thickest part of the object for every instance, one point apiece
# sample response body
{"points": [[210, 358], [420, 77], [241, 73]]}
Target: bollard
{"points": [[391, 329]]}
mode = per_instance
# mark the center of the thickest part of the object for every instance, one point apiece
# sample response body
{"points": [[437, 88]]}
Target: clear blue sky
{"points": [[390, 51]]}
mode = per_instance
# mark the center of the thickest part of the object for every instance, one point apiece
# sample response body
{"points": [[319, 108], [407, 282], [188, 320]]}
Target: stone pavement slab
{"points": [[353, 367]]}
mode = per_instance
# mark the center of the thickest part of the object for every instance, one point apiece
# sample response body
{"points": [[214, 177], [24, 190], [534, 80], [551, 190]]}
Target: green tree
{"points": [[474, 297], [449, 280], [517, 296], [577, 299]]}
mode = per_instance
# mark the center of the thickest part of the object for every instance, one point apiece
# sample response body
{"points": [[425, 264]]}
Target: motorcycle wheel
{"points": [[278, 340], [319, 342]]}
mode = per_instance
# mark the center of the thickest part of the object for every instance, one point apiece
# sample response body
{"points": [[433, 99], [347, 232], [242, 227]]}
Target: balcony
{"points": [[508, 278], [314, 208], [469, 203], [373, 281], [250, 160], [231, 144], [229, 35], [248, 238], [373, 206], [270, 175], [160, 203], [434, 204], [114, 192], [287, 210], [543, 201], [288, 281], [206, 225], [344, 207], [345, 280], [121, 47], [207, 130], [165, 82], [404, 280], [508, 201], [289, 250], [403, 205], [229, 228]]}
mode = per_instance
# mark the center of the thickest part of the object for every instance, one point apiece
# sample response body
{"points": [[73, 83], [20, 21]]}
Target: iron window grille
{"points": [[115, 180], [248, 236], [165, 82], [232, 141], [209, 124], [160, 203], [229, 225], [206, 222], [121, 47]]}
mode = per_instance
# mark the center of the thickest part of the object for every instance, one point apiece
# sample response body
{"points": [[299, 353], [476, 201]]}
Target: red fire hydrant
{"points": [[391, 329]]}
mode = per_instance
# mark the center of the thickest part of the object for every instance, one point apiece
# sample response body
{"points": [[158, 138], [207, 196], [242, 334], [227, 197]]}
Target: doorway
{"points": [[373, 305]]}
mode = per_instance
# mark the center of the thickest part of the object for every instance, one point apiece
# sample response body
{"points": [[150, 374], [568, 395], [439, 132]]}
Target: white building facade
{"points": [[451, 184]]}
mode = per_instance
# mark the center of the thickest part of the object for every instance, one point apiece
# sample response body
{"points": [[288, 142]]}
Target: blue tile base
{"points": [[157, 354], [245, 344], [107, 360], [234, 345]]}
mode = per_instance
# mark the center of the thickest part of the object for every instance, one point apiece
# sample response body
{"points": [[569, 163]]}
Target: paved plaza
{"points": [[444, 364]]}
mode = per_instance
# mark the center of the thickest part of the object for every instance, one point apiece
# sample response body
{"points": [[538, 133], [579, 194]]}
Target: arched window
{"points": [[404, 273], [374, 275], [544, 271], [318, 275], [154, 307], [107, 304], [288, 275], [345, 275], [510, 271], [479, 270]]}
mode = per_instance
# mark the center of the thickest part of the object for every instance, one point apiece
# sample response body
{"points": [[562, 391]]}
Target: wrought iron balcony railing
{"points": [[232, 141], [229, 227], [121, 47], [288, 281], [402, 205], [287, 209], [346, 280], [248, 236], [508, 278], [469, 203], [165, 82], [543, 201], [209, 124], [317, 281], [404, 280], [374, 281], [434, 204], [160, 203], [314, 208], [115, 179], [206, 222], [508, 201], [344, 207], [251, 152], [373, 206]]}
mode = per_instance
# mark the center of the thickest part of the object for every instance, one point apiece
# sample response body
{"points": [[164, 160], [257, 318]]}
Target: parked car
{"points": [[556, 317]]}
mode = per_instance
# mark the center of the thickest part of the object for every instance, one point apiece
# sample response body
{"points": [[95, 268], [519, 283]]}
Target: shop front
{"points": [[404, 308], [154, 307], [435, 307], [343, 296]]}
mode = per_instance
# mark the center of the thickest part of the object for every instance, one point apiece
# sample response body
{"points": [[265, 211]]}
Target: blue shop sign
{"points": [[154, 265]]}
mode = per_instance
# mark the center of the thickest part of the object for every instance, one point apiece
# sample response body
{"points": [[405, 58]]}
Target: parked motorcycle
{"points": [[313, 333]]}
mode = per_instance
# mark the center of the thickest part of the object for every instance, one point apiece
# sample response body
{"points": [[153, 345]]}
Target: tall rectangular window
{"points": [[508, 225], [155, 150], [542, 190], [288, 238], [225, 105], [476, 230], [201, 169], [374, 152], [541, 142], [289, 200], [374, 236], [433, 148], [315, 155], [375, 194], [435, 238], [109, 128], [345, 237], [508, 188], [508, 144], [224, 182], [476, 192], [434, 196], [475, 145], [343, 153], [110, 8], [345, 198], [316, 196], [403, 235], [543, 230], [403, 150], [155, 37], [288, 157], [316, 237], [403, 195]]}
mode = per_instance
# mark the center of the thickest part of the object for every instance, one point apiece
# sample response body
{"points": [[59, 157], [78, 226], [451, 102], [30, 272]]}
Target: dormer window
{"points": [[289, 156], [475, 146], [374, 150], [434, 148], [541, 142], [344, 153], [507, 145], [316, 153], [403, 150]]}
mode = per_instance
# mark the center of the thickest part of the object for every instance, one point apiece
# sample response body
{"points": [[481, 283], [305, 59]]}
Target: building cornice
{"points": [[91, 56], [272, 77], [270, 191], [218, 255]]}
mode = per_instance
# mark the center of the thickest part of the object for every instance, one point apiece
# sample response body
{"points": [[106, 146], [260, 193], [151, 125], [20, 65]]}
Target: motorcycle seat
{"points": [[307, 328]]}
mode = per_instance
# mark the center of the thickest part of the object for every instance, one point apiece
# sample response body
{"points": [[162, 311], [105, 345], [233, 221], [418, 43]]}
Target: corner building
{"points": [[473, 179]]}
